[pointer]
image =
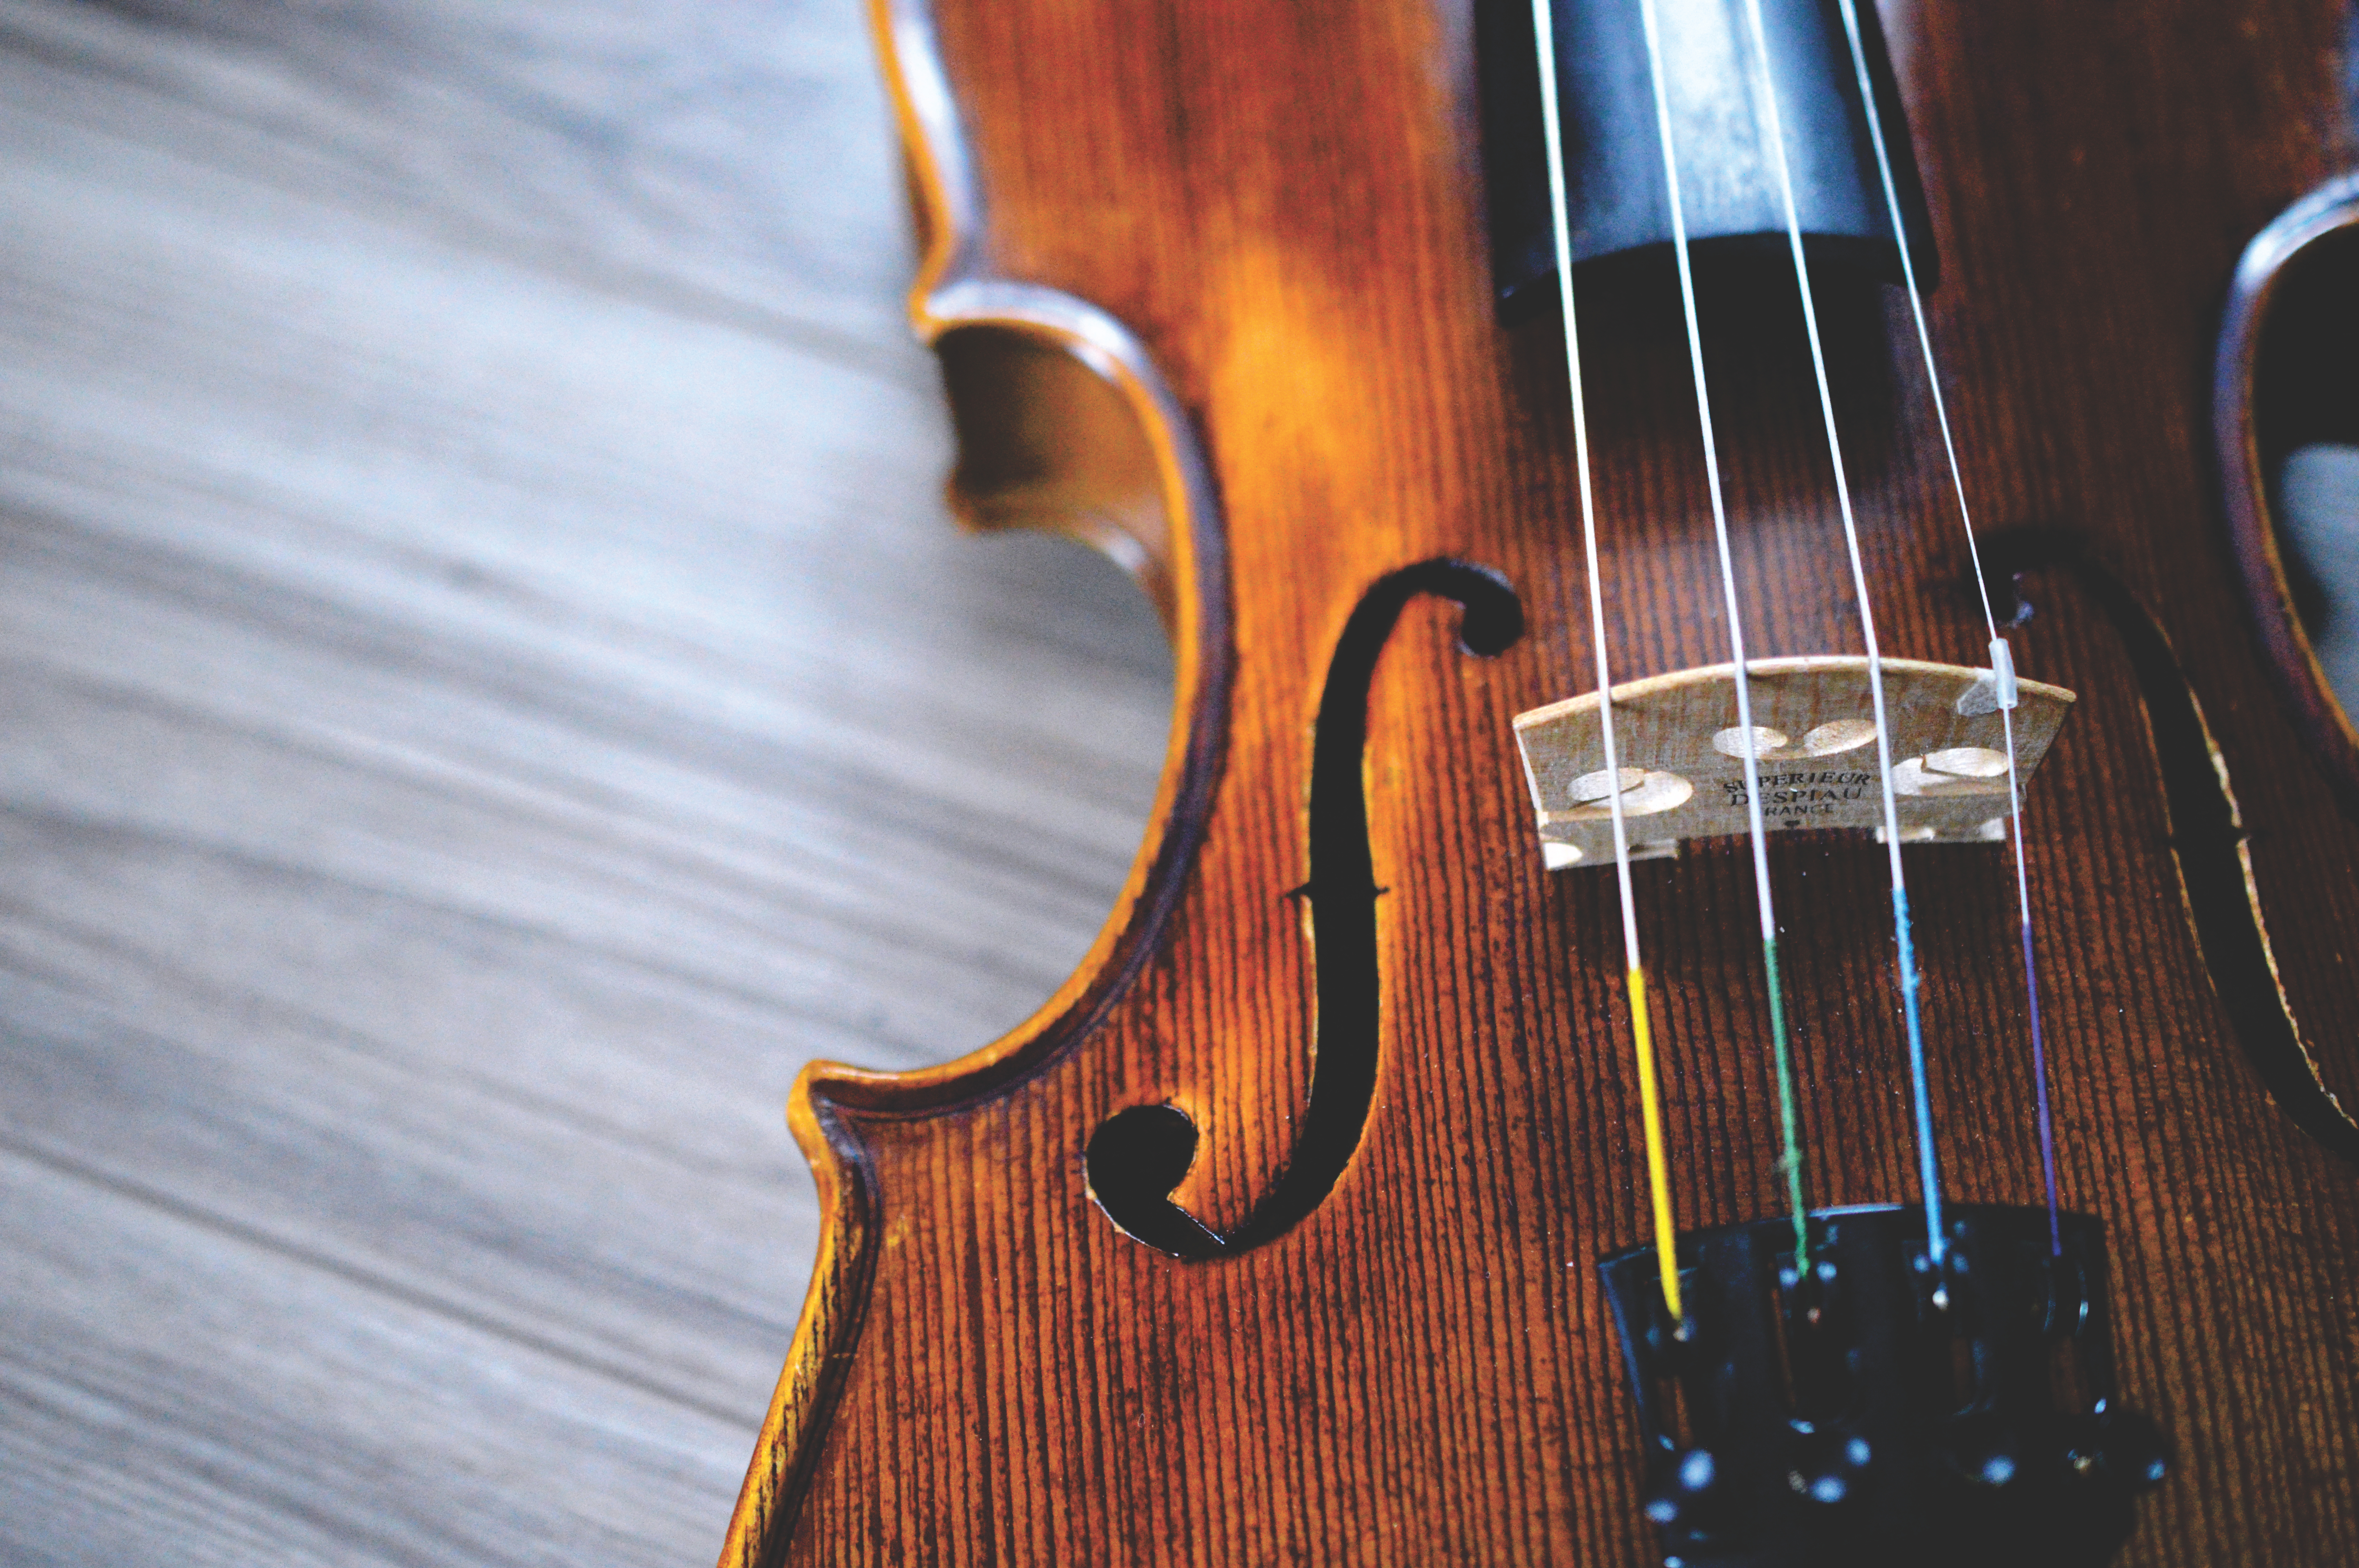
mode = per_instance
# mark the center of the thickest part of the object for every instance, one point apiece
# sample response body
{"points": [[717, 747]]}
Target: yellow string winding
{"points": [[1658, 1158]]}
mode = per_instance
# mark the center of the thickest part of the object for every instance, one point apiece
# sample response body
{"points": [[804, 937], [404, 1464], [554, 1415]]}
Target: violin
{"points": [[1743, 954]]}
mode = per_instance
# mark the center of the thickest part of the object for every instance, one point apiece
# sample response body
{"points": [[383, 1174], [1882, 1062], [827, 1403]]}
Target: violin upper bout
{"points": [[1045, 442], [1063, 424]]}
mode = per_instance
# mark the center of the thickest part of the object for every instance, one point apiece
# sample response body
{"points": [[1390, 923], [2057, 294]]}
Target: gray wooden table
{"points": [[489, 690]]}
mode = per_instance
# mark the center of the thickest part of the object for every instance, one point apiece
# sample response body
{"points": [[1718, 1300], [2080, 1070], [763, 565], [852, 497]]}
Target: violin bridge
{"points": [[1683, 755]]}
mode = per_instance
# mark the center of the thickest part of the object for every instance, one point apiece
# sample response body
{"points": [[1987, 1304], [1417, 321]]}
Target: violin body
{"points": [[1210, 283]]}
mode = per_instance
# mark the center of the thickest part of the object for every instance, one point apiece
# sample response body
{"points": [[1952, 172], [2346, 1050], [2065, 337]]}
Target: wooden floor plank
{"points": [[248, 1414], [488, 691], [728, 159]]}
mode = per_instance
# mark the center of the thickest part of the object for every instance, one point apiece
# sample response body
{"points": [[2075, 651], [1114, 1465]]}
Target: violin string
{"points": [[1998, 647], [1790, 1160], [1927, 1163], [1659, 1179]]}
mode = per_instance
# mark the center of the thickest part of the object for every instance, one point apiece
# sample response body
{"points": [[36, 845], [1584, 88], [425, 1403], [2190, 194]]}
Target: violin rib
{"points": [[1179, 557]]}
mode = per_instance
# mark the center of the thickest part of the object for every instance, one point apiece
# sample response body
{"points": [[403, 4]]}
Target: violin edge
{"points": [[953, 291], [2293, 665]]}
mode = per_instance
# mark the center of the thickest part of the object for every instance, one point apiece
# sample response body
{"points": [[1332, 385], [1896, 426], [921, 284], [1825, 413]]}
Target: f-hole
{"points": [[2206, 832], [1137, 1156]]}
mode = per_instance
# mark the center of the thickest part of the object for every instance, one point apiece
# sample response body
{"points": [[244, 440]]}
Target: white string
{"points": [[1941, 415], [1712, 472], [1659, 1179], [1544, 26], [1973, 550], [1929, 1174]]}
